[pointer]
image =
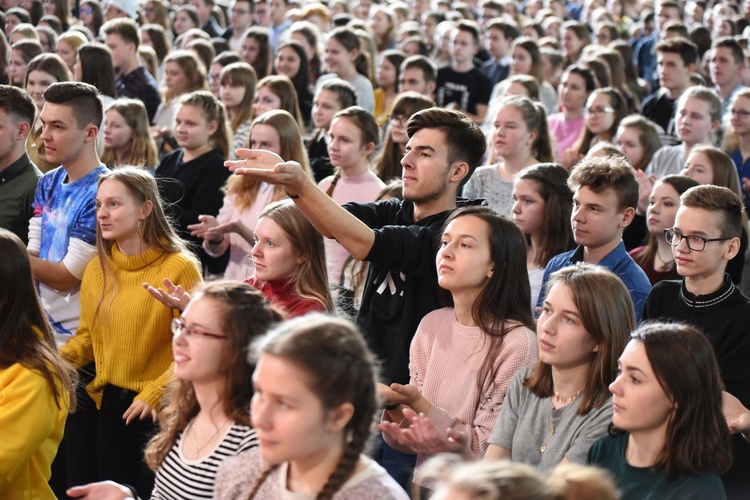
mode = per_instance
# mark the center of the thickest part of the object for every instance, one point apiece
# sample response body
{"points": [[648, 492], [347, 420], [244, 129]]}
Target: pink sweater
{"points": [[444, 360]]}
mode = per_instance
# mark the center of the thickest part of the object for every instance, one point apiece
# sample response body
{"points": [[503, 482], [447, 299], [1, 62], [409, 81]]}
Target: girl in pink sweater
{"points": [[463, 358]]}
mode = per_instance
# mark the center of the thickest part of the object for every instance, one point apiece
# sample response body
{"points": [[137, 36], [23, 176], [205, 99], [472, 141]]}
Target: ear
{"points": [[714, 126], [300, 259], [22, 132], [353, 55], [339, 417], [91, 133], [368, 148], [213, 126], [627, 217], [148, 207], [534, 134], [490, 272], [458, 171], [431, 88], [733, 248]]}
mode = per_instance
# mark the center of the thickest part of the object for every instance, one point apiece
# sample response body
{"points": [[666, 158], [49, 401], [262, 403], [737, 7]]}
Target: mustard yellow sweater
{"points": [[130, 337]]}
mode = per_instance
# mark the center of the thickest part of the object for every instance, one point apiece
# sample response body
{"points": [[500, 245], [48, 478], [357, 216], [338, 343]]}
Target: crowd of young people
{"points": [[148, 146]]}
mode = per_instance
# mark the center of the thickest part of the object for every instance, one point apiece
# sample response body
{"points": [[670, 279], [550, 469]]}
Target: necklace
{"points": [[198, 448], [553, 426], [666, 263]]}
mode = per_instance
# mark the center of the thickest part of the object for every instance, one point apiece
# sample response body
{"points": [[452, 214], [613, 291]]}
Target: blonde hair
{"points": [[142, 148]]}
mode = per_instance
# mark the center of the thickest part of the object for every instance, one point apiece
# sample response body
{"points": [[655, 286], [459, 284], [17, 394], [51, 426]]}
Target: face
{"points": [[121, 51], [49, 6], [694, 124], [528, 206], [387, 74], [290, 420], [232, 95], [603, 36], [118, 213], [250, 50], [149, 12], [521, 64], [598, 117], [572, 45], [562, 340], [345, 145], [265, 137], [265, 101], [398, 129], [595, 217], [240, 16], [724, 70], [516, 88], [426, 167], [262, 15], [67, 53], [338, 59], [699, 167], [325, 105], [277, 9], [673, 73], [175, 78], [117, 133], [10, 135], [662, 208], [11, 22], [694, 265], [666, 14], [629, 142], [380, 24], [464, 260], [191, 129], [273, 254], [740, 112], [640, 403], [45, 41], [38, 82], [214, 79], [201, 358], [17, 67], [288, 62], [412, 79], [512, 137], [463, 46], [182, 23]]}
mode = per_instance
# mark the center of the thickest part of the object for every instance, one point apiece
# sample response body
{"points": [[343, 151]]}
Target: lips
{"points": [[545, 346], [682, 261]]}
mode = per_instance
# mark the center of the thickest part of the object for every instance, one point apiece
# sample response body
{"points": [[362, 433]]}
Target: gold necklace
{"points": [[557, 396], [198, 449], [563, 400]]}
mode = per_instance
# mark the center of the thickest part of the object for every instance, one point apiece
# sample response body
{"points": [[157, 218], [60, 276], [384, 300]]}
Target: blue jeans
{"points": [[398, 464]]}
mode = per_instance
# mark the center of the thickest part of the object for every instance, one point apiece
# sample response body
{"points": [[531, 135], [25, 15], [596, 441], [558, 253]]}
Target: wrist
{"points": [[215, 242]]}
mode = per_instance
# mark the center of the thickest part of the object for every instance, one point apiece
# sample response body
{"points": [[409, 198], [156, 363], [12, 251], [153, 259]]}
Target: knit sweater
{"points": [[130, 339], [281, 294]]}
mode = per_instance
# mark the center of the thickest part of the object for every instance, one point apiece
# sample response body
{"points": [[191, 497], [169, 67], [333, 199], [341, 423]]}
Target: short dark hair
{"points": [[470, 27], [17, 103], [125, 27], [464, 138], [730, 43], [428, 67], [82, 98], [510, 30], [600, 173], [717, 199], [685, 48]]}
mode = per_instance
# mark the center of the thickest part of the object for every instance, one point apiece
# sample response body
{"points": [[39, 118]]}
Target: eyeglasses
{"points": [[600, 111], [179, 326], [740, 112], [400, 120], [695, 243], [85, 10]]}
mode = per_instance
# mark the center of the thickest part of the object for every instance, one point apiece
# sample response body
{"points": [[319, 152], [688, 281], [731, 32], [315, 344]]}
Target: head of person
{"points": [[576, 86], [706, 213], [389, 68], [710, 165], [307, 34], [67, 46], [204, 108], [542, 208], [241, 15], [237, 91], [522, 85], [698, 115], [586, 320], [444, 149], [43, 71], [343, 51], [575, 36], [15, 16], [185, 18], [292, 61], [676, 60], [210, 343], [669, 382], [183, 73], [465, 41], [726, 62], [94, 65], [605, 109], [353, 137], [604, 200], [17, 115], [500, 36], [122, 37], [418, 74], [221, 61], [277, 92], [126, 129], [325, 364], [739, 124], [667, 11], [155, 36], [21, 55], [288, 248], [521, 129], [256, 50], [527, 60], [638, 139], [156, 12], [332, 96]]}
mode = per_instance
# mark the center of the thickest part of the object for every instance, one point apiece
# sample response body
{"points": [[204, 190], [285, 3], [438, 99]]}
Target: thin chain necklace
{"points": [[198, 448], [564, 400]]}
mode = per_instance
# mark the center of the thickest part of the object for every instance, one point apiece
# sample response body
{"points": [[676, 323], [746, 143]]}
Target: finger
{"points": [[78, 491]]}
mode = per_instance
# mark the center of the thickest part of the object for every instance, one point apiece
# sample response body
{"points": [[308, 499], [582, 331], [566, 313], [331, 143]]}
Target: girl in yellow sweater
{"points": [[124, 331]]}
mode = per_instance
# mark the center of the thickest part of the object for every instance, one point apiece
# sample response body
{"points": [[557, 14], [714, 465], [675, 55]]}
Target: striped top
{"points": [[180, 477]]}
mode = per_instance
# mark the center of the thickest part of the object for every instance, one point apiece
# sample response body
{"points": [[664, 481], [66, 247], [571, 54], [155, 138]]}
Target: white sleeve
{"points": [[35, 234], [79, 255]]}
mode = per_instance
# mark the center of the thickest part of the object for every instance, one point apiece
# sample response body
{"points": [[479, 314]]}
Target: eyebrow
{"points": [[694, 233], [461, 236], [632, 368], [422, 148], [62, 122]]}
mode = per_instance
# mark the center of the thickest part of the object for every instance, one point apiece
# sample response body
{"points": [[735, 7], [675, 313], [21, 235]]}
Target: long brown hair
{"points": [[142, 152], [191, 65], [246, 315], [241, 74], [606, 311], [283, 88], [617, 101]]}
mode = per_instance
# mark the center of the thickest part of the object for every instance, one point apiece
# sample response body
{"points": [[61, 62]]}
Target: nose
{"points": [[256, 252], [45, 133], [616, 387], [577, 215], [682, 247], [547, 324], [259, 413], [406, 160], [516, 207]]}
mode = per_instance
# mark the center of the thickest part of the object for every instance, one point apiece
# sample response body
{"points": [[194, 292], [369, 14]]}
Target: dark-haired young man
{"points": [[18, 174], [726, 62], [705, 237]]}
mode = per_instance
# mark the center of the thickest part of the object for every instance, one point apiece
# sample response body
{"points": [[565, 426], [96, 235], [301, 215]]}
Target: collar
{"points": [[16, 168], [708, 300], [610, 261]]}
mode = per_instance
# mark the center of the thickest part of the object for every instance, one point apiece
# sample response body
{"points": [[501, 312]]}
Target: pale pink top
{"points": [[444, 360], [564, 131], [363, 188], [240, 264]]}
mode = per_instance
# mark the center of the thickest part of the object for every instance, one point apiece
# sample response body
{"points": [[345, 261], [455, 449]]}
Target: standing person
{"points": [[521, 139], [705, 237], [62, 231], [123, 37], [567, 126], [135, 244], [668, 438], [127, 139], [191, 176], [462, 86], [323, 365], [557, 408], [21, 176], [398, 238], [489, 328], [346, 62], [36, 387]]}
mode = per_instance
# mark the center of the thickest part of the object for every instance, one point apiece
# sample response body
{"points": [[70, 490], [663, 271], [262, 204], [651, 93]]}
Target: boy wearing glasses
{"points": [[705, 237], [605, 194]]}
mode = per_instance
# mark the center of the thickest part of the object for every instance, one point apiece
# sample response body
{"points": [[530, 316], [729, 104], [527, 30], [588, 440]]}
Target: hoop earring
{"points": [[139, 227]]}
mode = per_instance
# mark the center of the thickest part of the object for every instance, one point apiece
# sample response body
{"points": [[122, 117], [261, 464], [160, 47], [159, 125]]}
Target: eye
{"points": [[635, 380]]}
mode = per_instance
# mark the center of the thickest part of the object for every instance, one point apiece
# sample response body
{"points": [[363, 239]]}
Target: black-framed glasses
{"points": [[740, 112], [179, 326], [400, 120], [695, 243]]}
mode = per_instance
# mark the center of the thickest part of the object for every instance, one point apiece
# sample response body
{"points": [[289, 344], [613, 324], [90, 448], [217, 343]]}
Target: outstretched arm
{"points": [[325, 214]]}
